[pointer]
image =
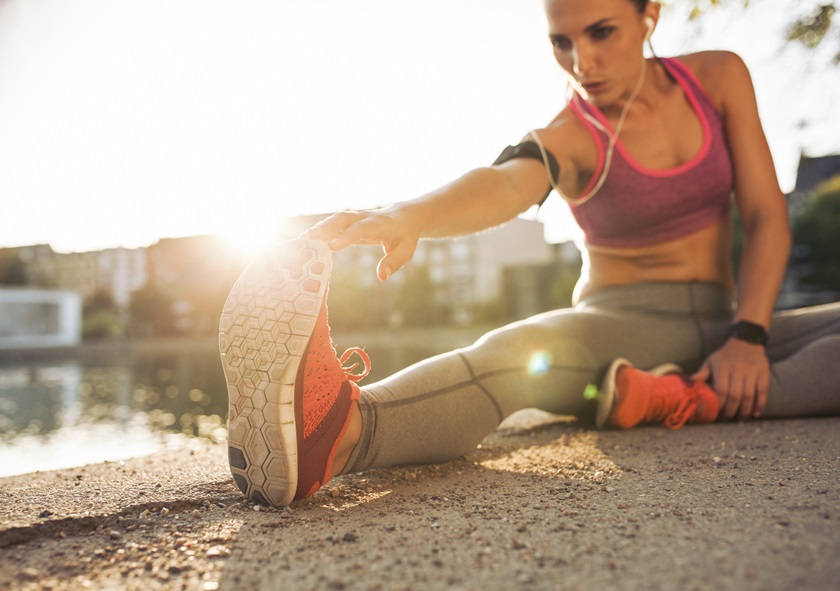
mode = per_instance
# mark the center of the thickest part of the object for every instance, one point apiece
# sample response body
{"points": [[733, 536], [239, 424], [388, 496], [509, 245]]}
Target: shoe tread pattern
{"points": [[263, 332]]}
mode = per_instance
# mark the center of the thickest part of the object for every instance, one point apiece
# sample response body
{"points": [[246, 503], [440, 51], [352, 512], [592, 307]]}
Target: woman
{"points": [[657, 284]]}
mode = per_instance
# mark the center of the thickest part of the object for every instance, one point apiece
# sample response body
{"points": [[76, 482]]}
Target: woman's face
{"points": [[599, 45]]}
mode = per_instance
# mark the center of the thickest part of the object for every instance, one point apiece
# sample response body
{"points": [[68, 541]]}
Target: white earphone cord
{"points": [[610, 147]]}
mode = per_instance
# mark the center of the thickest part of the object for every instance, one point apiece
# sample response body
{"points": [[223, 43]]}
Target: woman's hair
{"points": [[640, 5]]}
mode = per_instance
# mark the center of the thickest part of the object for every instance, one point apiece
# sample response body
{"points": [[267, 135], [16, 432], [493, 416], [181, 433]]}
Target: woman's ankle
{"points": [[348, 441]]}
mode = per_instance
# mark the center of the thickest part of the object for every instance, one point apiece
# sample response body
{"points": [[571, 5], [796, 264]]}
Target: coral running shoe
{"points": [[289, 398], [661, 396]]}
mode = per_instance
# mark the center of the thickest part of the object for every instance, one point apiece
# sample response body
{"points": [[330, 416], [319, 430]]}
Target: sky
{"points": [[124, 121]]}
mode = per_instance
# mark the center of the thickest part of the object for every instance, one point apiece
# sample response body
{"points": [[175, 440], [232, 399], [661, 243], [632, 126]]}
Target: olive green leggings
{"points": [[441, 408]]}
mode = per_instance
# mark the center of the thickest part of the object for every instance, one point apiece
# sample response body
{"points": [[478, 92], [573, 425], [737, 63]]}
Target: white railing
{"points": [[39, 318]]}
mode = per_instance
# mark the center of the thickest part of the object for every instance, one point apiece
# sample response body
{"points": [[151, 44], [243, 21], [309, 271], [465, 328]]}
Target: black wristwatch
{"points": [[749, 332]]}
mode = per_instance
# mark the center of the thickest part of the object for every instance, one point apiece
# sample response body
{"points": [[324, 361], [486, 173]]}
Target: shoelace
{"points": [[675, 406], [348, 371]]}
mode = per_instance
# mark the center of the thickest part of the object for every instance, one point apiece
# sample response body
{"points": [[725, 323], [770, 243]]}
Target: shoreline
{"points": [[439, 338], [105, 348]]}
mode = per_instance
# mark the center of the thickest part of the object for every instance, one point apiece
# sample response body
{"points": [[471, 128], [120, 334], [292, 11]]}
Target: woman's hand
{"points": [[740, 376], [388, 227]]}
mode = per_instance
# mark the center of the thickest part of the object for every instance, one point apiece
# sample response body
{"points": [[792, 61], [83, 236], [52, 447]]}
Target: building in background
{"points": [[34, 318], [121, 272], [454, 281], [179, 285], [115, 271]]}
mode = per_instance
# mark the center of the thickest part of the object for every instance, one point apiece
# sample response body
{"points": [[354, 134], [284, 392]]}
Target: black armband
{"points": [[532, 151]]}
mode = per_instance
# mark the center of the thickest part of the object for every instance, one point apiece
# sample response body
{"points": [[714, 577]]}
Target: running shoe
{"points": [[289, 397], [661, 396]]}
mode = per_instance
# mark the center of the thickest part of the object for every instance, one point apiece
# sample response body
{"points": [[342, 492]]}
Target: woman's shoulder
{"points": [[713, 63], [718, 71], [565, 134], [566, 125]]}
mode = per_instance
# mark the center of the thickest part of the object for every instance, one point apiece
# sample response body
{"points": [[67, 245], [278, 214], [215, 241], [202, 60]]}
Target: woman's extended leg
{"points": [[441, 408]]}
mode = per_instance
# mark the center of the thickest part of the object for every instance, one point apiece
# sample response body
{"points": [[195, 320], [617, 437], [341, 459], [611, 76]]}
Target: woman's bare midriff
{"points": [[702, 256]]}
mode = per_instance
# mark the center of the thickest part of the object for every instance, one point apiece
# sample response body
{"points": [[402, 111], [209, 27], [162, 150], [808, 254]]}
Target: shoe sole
{"points": [[264, 330], [606, 395]]}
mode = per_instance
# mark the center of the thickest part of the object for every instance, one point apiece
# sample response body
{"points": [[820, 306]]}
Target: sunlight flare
{"points": [[540, 363]]}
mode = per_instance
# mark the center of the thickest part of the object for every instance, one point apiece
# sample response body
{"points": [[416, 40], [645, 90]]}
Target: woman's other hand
{"points": [[740, 376]]}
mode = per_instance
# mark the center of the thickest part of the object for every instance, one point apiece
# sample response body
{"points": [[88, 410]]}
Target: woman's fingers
{"points": [[332, 227], [397, 254], [703, 374], [748, 397], [763, 394], [368, 227]]}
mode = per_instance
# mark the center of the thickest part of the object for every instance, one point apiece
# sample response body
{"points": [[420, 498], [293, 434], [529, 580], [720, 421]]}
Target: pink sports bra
{"points": [[639, 206]]}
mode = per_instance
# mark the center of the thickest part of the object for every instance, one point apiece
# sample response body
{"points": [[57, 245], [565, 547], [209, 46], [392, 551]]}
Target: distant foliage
{"points": [[100, 317], [813, 28], [700, 7], [415, 300], [12, 268], [352, 303], [815, 232], [151, 313], [563, 287]]}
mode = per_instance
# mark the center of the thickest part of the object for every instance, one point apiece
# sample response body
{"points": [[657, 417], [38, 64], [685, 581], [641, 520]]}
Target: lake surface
{"points": [[116, 402]]}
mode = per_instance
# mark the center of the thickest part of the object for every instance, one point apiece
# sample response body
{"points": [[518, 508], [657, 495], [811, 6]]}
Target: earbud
{"points": [[649, 25]]}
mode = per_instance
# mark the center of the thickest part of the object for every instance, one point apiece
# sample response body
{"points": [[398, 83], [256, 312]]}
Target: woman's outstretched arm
{"points": [[480, 199]]}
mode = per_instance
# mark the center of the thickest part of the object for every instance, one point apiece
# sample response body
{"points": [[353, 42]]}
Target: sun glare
{"points": [[252, 240]]}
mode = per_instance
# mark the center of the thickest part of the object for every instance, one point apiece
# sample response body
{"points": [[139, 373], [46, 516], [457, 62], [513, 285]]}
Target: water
{"points": [[107, 407], [116, 402]]}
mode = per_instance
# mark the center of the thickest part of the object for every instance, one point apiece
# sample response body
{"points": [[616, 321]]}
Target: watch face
{"points": [[749, 332]]}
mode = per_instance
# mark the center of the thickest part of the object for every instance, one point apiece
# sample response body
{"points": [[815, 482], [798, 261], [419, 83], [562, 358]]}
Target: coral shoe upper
{"points": [[671, 400], [324, 393]]}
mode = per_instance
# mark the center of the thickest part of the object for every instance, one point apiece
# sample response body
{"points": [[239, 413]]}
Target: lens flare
{"points": [[540, 363], [591, 392]]}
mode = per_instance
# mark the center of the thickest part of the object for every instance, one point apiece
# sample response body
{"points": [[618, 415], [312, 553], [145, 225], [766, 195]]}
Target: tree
{"points": [[415, 297], [815, 232], [151, 313], [562, 286], [349, 301], [12, 268], [100, 317], [813, 28]]}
